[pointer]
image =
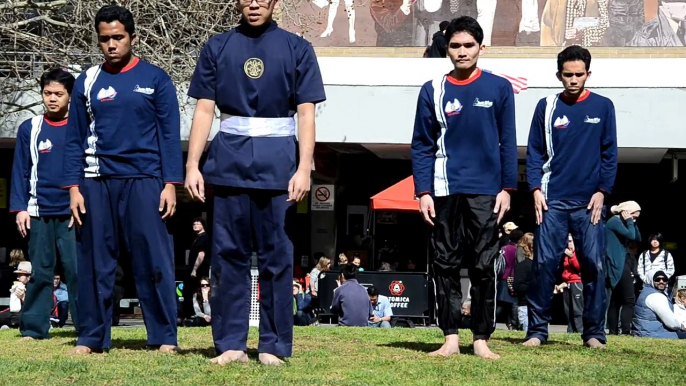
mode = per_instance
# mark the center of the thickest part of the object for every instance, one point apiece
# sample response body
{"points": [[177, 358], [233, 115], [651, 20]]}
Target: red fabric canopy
{"points": [[399, 197]]}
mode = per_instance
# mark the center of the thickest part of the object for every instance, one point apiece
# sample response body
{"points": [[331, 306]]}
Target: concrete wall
{"points": [[383, 93], [372, 100], [385, 115]]}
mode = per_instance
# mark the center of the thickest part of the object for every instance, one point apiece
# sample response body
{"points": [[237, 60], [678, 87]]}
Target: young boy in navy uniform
{"points": [[41, 205], [259, 76], [464, 162], [571, 165], [122, 160]]}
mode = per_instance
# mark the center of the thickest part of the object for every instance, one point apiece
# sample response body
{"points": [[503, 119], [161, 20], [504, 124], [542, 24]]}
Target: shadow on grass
{"points": [[62, 333], [425, 347], [211, 352], [519, 341], [140, 345]]}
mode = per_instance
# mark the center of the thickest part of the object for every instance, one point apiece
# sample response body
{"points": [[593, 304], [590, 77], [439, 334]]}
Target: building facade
{"points": [[365, 127]]}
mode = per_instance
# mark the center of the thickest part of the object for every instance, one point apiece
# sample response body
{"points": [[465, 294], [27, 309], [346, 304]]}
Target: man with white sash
{"points": [[258, 76]]}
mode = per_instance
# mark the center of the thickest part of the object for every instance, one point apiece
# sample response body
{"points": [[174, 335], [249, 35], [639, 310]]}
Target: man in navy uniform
{"points": [[571, 165], [464, 162], [259, 76], [122, 159], [41, 205]]}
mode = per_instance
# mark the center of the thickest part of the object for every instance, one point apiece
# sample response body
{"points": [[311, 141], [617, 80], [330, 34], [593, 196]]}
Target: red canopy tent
{"points": [[399, 197]]}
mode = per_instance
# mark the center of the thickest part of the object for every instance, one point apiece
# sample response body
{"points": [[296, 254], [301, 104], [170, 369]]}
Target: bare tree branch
{"points": [[36, 35], [32, 4]]}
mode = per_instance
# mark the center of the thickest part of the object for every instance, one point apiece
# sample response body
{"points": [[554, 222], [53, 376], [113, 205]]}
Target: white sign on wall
{"points": [[322, 197]]}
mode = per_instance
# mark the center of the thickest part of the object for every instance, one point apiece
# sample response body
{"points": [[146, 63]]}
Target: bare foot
{"points": [[533, 342], [450, 347], [594, 343], [80, 350], [230, 357], [168, 349], [482, 351], [270, 360], [27, 338]]}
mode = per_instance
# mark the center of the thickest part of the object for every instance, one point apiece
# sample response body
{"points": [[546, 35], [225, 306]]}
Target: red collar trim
{"points": [[128, 67], [55, 123], [581, 98], [465, 82]]}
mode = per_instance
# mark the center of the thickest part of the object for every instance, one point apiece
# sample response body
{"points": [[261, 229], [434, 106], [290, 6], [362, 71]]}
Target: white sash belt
{"points": [[257, 127]]}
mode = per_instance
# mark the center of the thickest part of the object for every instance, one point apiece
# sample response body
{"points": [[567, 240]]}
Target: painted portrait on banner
{"points": [[557, 23]]}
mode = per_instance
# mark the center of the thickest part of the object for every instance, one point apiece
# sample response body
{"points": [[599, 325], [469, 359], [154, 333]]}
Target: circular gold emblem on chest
{"points": [[254, 68]]}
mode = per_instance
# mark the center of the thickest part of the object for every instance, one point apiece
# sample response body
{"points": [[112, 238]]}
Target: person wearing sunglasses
{"points": [[654, 312], [201, 306]]}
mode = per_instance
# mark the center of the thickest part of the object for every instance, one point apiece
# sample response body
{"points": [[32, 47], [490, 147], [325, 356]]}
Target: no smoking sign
{"points": [[322, 197]]}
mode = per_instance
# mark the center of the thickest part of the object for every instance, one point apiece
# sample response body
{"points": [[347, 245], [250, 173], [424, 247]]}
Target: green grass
{"points": [[340, 356]]}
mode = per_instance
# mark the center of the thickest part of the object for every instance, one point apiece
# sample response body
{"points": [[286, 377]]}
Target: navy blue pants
{"points": [[550, 241], [48, 236], [247, 220], [123, 213]]}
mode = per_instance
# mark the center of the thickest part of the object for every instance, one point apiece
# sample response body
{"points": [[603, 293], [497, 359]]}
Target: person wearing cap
{"points": [[509, 226], [504, 236], [620, 229], [654, 314], [17, 296]]}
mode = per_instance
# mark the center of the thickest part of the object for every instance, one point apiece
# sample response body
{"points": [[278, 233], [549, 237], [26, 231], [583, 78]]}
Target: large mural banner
{"points": [[559, 23]]}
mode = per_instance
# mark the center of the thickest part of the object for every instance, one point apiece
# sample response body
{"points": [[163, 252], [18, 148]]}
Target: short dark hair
{"points": [[372, 291], [200, 220], [443, 25], [516, 235], [349, 271], [60, 76], [572, 54], [465, 24], [110, 13], [656, 236]]}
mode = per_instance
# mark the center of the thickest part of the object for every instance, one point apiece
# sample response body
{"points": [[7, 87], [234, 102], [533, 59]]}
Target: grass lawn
{"points": [[340, 356]]}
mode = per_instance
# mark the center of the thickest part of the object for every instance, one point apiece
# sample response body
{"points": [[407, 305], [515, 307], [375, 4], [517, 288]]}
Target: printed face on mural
{"points": [[555, 23]]}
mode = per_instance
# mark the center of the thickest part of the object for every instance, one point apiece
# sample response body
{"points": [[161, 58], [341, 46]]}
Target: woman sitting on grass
{"points": [[201, 305]]}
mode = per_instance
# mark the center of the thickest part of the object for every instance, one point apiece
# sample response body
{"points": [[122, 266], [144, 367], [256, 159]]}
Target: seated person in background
{"points": [[301, 305], [680, 310], [342, 260], [680, 305], [357, 261], [350, 300], [385, 267], [11, 318], [381, 308], [61, 310], [466, 311], [201, 306], [654, 313]]}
